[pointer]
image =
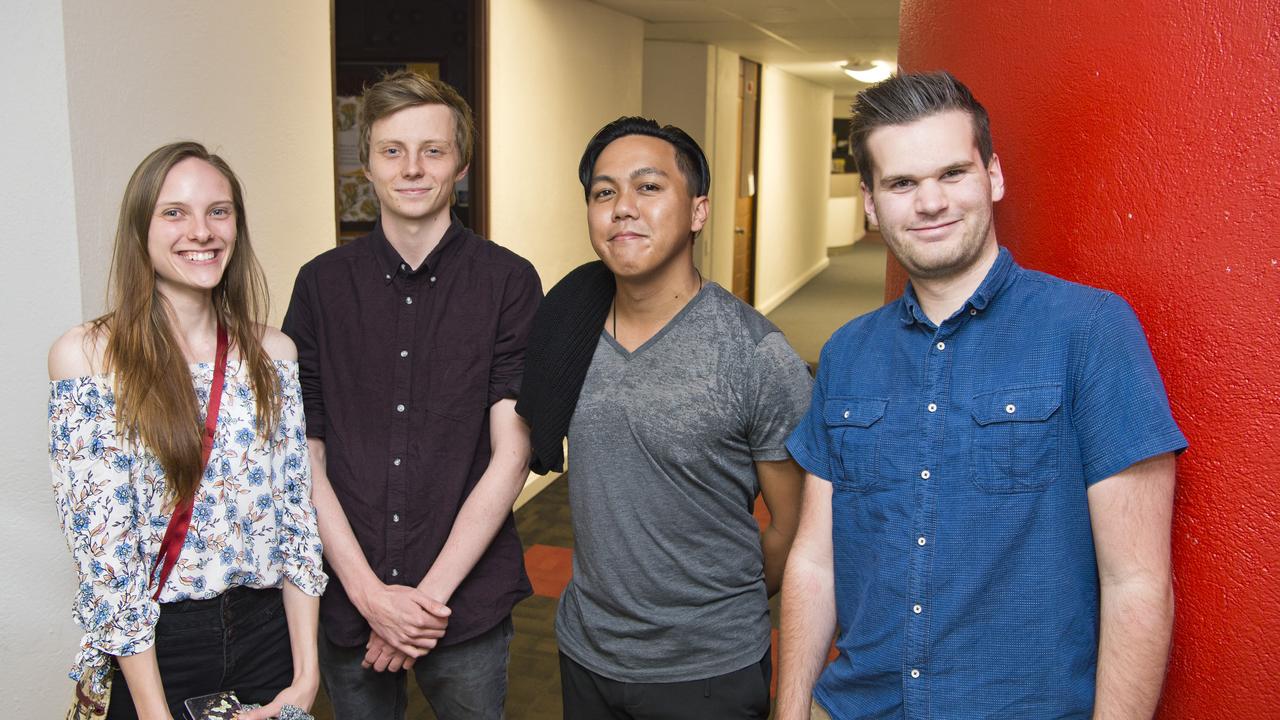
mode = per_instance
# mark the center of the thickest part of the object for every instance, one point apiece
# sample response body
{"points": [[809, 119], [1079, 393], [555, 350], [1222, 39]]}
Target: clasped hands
{"points": [[405, 624]]}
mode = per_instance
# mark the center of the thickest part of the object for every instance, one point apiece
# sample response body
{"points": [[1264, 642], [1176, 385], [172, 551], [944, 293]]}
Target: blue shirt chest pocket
{"points": [[1015, 438], [854, 427]]}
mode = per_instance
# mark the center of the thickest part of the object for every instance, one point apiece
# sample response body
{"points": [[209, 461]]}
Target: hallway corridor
{"points": [[851, 285]]}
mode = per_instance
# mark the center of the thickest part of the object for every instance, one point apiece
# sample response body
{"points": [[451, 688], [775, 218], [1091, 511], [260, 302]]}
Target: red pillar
{"points": [[1141, 149]]}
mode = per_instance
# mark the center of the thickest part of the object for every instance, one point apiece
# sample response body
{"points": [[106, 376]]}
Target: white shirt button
{"points": [[433, 278], [403, 266], [388, 277], [1010, 408], [916, 609], [915, 673], [396, 573], [396, 462], [933, 407], [924, 474], [846, 414], [395, 517], [408, 301], [941, 345], [399, 408], [921, 541], [973, 311], [404, 353]]}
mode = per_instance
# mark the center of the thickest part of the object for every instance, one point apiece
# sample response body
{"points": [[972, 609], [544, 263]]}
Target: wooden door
{"points": [[744, 215]]}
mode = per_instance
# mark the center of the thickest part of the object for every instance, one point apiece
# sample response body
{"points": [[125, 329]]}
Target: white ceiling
{"points": [[803, 37]]}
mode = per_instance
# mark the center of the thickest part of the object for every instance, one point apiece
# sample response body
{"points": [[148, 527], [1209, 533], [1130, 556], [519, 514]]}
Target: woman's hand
{"points": [[302, 693]]}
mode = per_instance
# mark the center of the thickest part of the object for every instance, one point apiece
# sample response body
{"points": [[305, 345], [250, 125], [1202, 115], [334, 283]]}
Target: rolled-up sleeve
{"points": [[520, 298], [98, 507], [299, 538]]}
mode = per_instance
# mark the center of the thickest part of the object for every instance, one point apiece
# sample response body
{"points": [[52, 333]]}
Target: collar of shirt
{"points": [[391, 264], [997, 279]]}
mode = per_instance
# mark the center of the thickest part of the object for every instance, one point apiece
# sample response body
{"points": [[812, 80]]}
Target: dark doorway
{"points": [[444, 39]]}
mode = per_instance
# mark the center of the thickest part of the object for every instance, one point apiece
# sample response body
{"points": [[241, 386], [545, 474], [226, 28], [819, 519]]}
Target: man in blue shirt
{"points": [[990, 464]]}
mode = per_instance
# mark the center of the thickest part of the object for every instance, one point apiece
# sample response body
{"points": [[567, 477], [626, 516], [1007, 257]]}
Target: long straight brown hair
{"points": [[155, 399]]}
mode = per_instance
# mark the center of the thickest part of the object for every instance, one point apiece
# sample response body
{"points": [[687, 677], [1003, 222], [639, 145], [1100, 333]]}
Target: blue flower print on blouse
{"points": [[114, 508]]}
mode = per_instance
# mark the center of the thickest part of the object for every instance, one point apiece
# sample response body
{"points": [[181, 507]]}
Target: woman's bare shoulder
{"points": [[78, 353], [277, 345]]}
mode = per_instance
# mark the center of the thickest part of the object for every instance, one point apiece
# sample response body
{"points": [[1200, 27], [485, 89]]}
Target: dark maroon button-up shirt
{"points": [[399, 368]]}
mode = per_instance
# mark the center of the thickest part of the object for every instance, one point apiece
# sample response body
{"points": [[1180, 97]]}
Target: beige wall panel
{"points": [[791, 224], [558, 70], [251, 80]]}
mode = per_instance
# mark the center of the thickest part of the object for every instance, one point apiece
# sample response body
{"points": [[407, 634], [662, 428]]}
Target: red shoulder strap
{"points": [[176, 534]]}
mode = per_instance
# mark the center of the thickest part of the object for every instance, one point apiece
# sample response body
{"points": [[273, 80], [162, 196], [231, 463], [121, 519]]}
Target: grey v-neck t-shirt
{"points": [[668, 573]]}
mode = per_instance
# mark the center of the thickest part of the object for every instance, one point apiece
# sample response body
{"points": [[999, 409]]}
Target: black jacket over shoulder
{"points": [[561, 344]]}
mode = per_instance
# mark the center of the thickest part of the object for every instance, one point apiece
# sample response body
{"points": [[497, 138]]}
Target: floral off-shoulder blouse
{"points": [[252, 524]]}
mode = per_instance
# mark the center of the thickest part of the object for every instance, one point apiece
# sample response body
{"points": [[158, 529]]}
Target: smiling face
{"points": [[640, 214], [932, 197], [193, 228], [414, 163]]}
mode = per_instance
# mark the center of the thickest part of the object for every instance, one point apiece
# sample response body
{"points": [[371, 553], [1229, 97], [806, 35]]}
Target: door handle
{"points": [[739, 231]]}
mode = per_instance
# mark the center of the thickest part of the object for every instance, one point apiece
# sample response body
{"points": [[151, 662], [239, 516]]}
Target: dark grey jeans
{"points": [[467, 681]]}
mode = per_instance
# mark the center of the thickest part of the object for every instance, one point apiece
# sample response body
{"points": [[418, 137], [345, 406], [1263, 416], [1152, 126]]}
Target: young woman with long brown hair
{"points": [[128, 416]]}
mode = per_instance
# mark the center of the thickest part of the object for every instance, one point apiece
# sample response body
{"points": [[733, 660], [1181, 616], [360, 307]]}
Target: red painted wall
{"points": [[1140, 143]]}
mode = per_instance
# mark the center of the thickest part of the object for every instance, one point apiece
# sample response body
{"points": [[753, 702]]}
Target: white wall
{"points": [[679, 89], [93, 87], [845, 224], [679, 78], [840, 106], [40, 294], [251, 80], [791, 216], [558, 71]]}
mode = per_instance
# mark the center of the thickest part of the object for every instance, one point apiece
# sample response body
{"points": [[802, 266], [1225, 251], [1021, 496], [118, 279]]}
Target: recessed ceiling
{"points": [[804, 37]]}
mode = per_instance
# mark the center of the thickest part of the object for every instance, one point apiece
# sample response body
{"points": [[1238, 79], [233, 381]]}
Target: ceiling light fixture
{"points": [[872, 72]]}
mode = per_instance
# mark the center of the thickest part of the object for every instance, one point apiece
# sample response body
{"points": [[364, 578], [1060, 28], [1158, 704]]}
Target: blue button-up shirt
{"points": [[960, 456]]}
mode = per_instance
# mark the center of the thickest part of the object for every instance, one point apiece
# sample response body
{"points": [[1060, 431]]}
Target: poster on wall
{"points": [[356, 203]]}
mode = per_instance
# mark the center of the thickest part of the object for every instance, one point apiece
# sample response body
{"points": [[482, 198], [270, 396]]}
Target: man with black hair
{"points": [[990, 464], [677, 399]]}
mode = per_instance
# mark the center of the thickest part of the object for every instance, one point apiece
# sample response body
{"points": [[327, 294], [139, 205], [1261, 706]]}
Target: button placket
{"points": [[935, 393], [406, 287]]}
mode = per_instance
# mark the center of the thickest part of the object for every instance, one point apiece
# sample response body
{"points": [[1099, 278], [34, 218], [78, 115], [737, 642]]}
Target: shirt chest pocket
{"points": [[1015, 446], [854, 427]]}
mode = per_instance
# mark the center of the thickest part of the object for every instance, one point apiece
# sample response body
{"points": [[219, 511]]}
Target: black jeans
{"points": [[740, 694], [237, 641]]}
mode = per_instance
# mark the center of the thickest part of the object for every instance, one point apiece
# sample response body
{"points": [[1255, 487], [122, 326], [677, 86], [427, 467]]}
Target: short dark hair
{"points": [[689, 157], [907, 97]]}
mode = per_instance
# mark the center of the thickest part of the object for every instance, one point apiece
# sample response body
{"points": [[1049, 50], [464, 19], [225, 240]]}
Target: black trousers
{"points": [[740, 694], [237, 641]]}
